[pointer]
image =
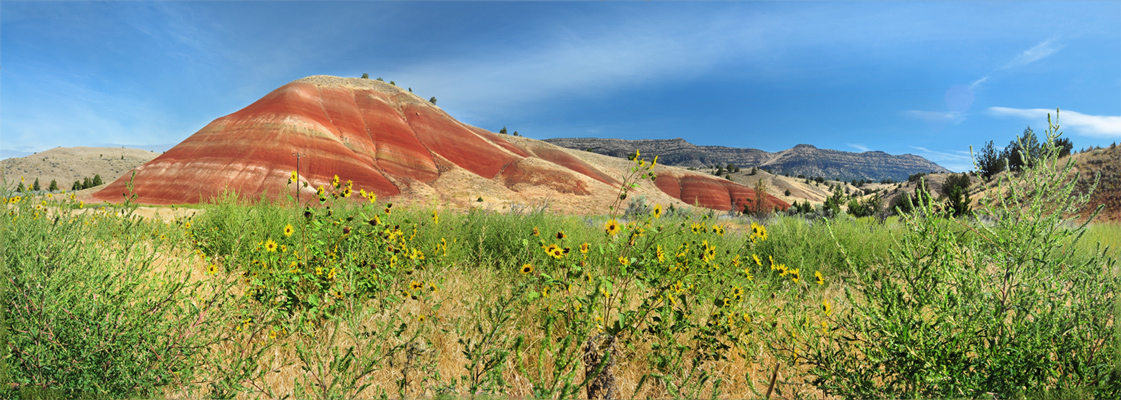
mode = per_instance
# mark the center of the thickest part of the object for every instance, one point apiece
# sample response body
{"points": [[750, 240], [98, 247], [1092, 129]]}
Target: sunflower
{"points": [[435, 217], [826, 307], [657, 211], [212, 269], [527, 269], [795, 275], [584, 248], [295, 176], [820, 279], [288, 230], [346, 191], [560, 235], [757, 261], [611, 227], [270, 245], [718, 229], [625, 261], [373, 198], [536, 232], [415, 285], [555, 251], [660, 253], [737, 292], [432, 287], [335, 182]]}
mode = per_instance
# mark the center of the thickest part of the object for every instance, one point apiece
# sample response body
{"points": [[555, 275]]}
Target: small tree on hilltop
{"points": [[990, 161], [503, 130], [96, 180], [365, 76], [432, 100]]}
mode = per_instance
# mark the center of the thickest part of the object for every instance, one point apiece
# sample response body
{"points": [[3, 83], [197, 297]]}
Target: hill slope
{"points": [[802, 159], [69, 164], [394, 143]]}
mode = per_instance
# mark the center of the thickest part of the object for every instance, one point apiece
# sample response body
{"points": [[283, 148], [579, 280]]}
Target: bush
{"points": [[1005, 309], [432, 100], [956, 192], [365, 76]]}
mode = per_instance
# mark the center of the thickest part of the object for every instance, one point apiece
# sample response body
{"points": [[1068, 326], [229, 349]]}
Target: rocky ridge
{"points": [[802, 159]]}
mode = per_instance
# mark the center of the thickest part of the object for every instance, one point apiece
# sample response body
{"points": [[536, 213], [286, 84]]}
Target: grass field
{"points": [[360, 299]]}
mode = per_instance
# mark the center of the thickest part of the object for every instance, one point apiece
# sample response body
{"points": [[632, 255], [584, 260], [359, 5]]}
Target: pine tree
{"points": [[503, 131], [54, 185], [432, 100], [97, 180], [365, 76], [35, 186]]}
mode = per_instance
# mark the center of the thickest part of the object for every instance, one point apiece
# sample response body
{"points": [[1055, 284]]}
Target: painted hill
{"points": [[802, 159], [394, 143], [68, 164]]}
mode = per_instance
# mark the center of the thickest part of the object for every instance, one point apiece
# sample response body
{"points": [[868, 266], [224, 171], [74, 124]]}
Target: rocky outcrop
{"points": [[802, 159]]}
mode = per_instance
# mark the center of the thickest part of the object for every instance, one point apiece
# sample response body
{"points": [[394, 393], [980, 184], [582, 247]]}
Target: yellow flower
{"points": [[660, 253], [718, 229], [555, 251], [561, 235], [737, 292], [611, 227], [335, 182], [373, 198], [81, 204], [757, 261], [346, 191], [212, 269], [319, 191], [432, 287], [657, 211], [795, 275], [435, 217], [536, 232], [288, 230], [415, 285], [747, 272], [820, 279], [331, 274], [295, 176], [624, 261], [527, 269], [655, 162], [270, 245], [826, 307], [584, 248]]}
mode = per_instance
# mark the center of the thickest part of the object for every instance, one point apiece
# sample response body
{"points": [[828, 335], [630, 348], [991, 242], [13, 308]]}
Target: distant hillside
{"points": [[802, 159], [69, 164], [1107, 162]]}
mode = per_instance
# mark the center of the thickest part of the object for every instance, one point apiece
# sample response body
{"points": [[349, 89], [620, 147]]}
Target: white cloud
{"points": [[858, 146], [1098, 126], [1040, 51], [958, 162], [940, 118]]}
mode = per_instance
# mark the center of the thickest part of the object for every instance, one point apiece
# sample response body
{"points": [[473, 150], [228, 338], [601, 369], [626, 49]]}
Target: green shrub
{"points": [[971, 309]]}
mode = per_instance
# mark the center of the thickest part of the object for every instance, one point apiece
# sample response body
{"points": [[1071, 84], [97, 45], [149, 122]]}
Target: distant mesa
{"points": [[802, 159], [390, 142]]}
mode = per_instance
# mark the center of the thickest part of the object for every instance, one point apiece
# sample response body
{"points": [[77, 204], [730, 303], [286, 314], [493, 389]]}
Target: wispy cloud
{"points": [[958, 161], [938, 118], [1040, 51], [858, 146], [1098, 126]]}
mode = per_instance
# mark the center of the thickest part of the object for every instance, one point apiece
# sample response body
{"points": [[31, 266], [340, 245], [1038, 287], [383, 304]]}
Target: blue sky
{"points": [[926, 78]]}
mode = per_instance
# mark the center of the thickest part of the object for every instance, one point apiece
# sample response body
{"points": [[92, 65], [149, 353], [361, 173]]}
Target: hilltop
{"points": [[802, 159]]}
